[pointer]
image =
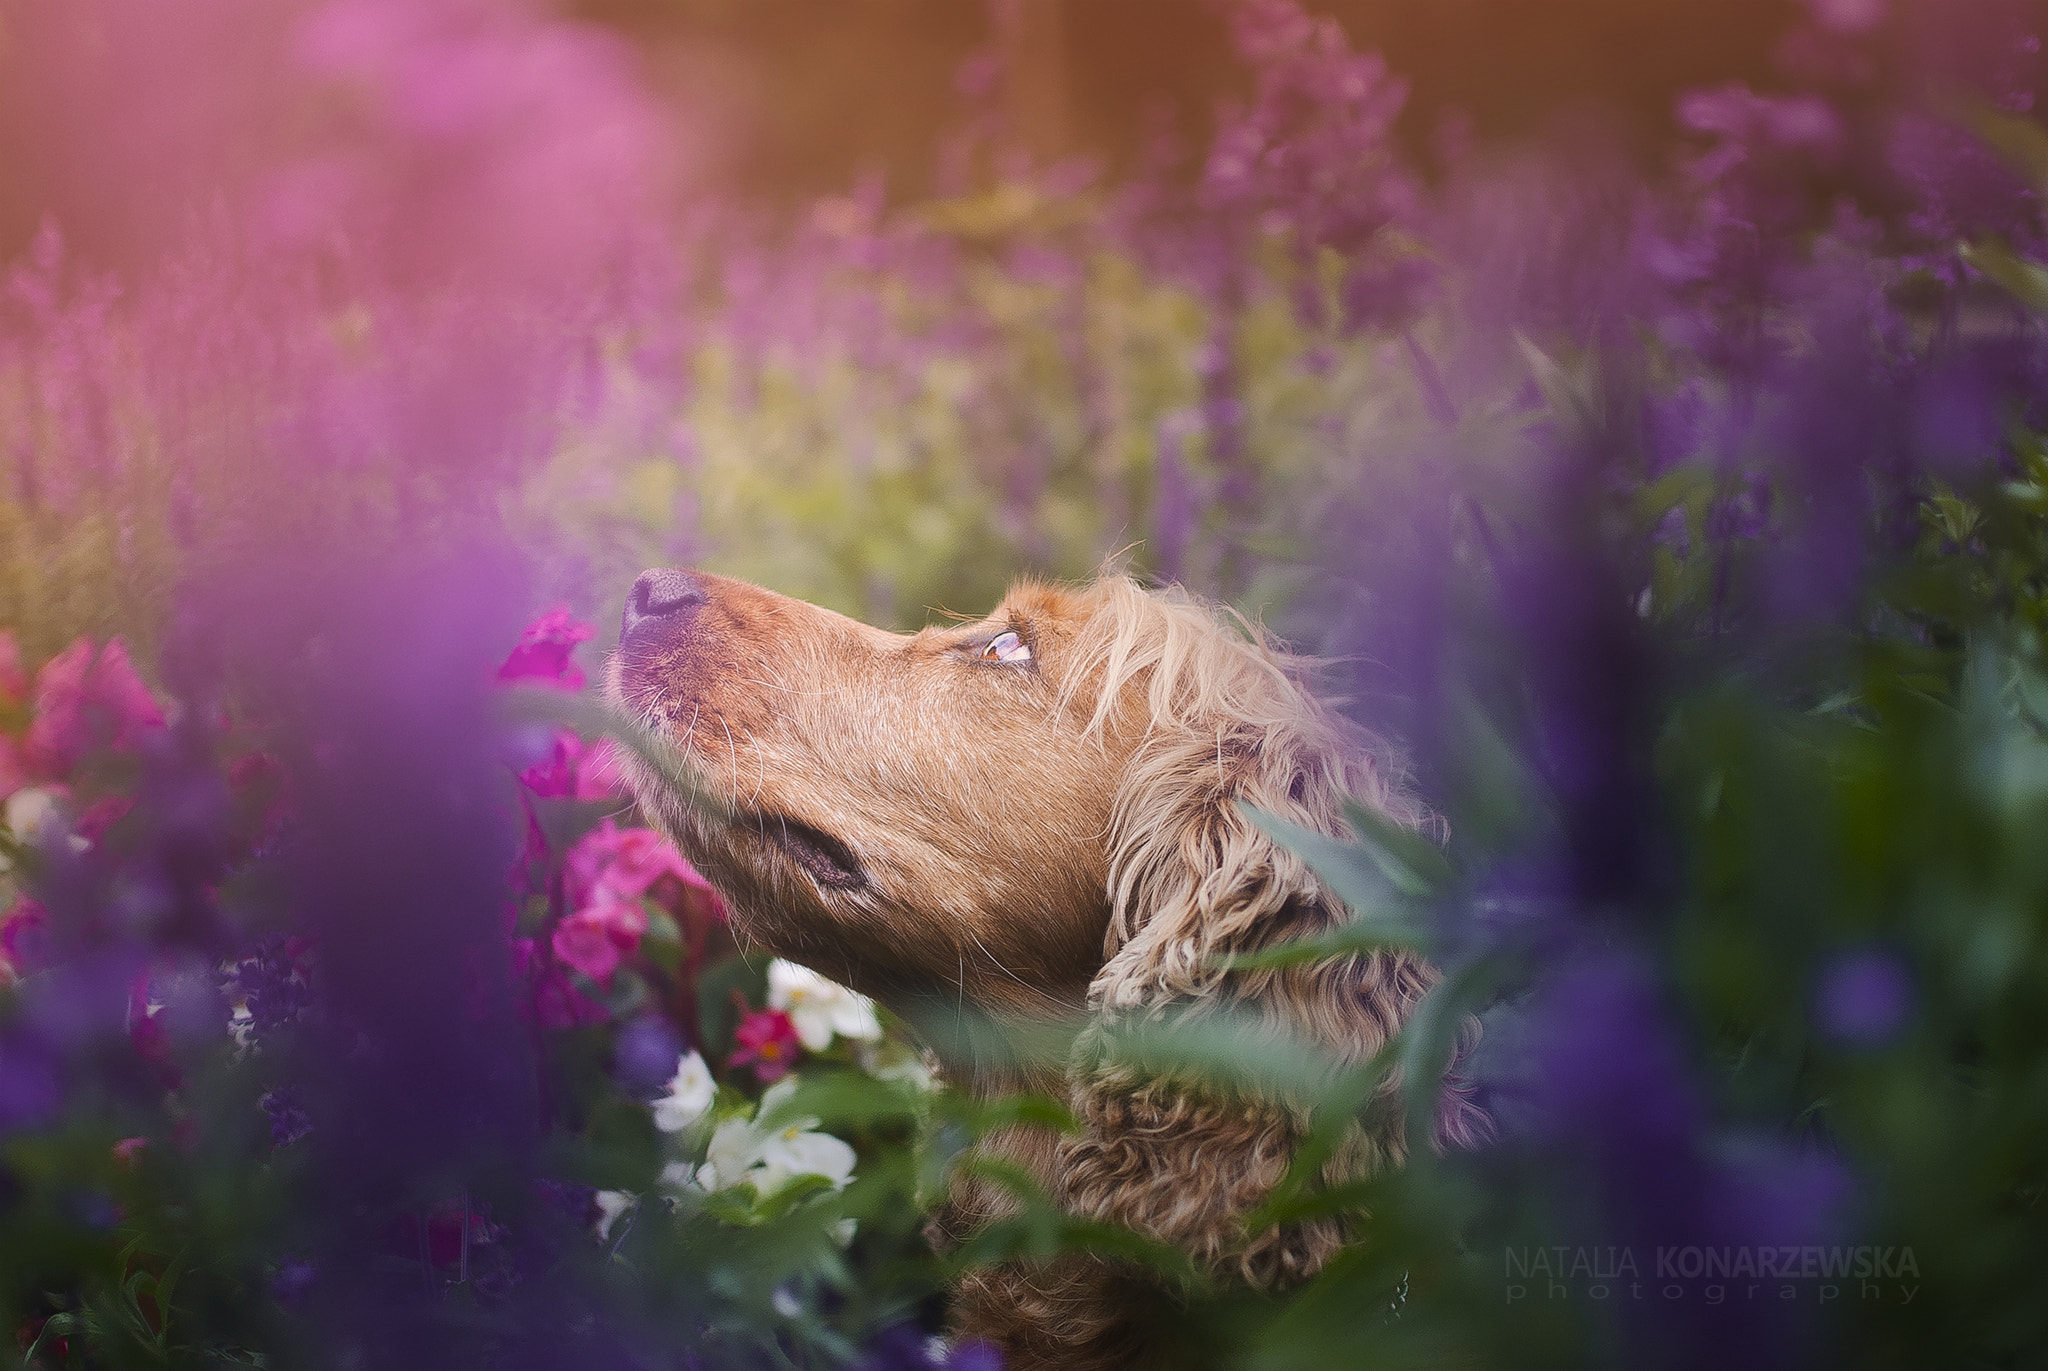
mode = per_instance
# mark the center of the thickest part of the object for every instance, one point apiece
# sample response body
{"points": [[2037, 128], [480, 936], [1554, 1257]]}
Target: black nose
{"points": [[663, 594]]}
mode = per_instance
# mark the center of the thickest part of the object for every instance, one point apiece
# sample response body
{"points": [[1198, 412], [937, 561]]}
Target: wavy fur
{"points": [[1152, 720]]}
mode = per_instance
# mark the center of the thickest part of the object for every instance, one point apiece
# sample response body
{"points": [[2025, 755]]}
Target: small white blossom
{"points": [[793, 1151], [910, 1069], [28, 809], [241, 1025], [743, 1152], [690, 1092], [734, 1146], [610, 1205], [820, 1008]]}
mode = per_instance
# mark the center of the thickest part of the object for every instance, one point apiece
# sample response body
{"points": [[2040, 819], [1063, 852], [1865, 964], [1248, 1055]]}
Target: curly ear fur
{"points": [[1227, 719]]}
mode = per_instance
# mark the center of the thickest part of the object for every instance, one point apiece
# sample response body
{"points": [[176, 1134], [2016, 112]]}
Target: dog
{"points": [[1037, 815]]}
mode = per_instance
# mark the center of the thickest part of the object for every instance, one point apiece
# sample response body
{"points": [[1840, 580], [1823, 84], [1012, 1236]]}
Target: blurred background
{"points": [[1639, 402], [816, 91], [789, 99]]}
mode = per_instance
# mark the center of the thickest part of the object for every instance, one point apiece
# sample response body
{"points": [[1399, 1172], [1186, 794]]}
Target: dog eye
{"points": [[1006, 647]]}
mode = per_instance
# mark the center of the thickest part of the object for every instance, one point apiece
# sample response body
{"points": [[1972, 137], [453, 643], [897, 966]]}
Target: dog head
{"points": [[914, 814], [1027, 811]]}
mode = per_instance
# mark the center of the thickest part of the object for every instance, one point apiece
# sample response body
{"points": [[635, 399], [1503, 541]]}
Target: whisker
{"points": [[786, 689], [996, 962], [734, 747]]}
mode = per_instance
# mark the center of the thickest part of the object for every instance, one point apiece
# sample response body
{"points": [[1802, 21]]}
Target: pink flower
{"points": [[85, 701], [595, 938], [587, 945], [543, 655], [22, 931], [101, 815], [626, 862], [767, 1042], [575, 770]]}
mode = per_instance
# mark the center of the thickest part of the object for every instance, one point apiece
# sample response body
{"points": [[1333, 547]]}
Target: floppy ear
{"points": [[1193, 880]]}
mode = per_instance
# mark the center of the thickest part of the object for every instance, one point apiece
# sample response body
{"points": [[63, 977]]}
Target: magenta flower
{"points": [[84, 701], [22, 928], [575, 770], [586, 944], [543, 655], [598, 936], [624, 863], [102, 814], [767, 1042]]}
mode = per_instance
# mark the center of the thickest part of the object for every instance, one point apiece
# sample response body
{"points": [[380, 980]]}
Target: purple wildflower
{"points": [[289, 1120], [1863, 998]]}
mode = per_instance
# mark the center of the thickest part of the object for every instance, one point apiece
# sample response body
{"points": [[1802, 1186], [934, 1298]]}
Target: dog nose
{"points": [[659, 595]]}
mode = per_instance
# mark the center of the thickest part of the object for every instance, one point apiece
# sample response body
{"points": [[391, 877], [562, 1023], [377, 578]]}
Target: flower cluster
{"points": [[616, 887], [86, 705]]}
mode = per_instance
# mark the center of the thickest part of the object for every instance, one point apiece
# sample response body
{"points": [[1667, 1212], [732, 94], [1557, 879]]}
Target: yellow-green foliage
{"points": [[1004, 422], [904, 489]]}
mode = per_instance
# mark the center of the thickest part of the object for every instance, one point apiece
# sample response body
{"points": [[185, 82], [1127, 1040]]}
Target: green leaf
{"points": [[1360, 936], [2024, 280], [1355, 874], [2022, 142], [1415, 865]]}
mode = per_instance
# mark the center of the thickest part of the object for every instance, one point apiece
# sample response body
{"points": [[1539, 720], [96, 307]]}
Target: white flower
{"points": [[743, 1152], [610, 1205], [794, 1151], [820, 1008], [241, 1025], [911, 1069], [689, 1094], [680, 1177], [734, 1148], [28, 809]]}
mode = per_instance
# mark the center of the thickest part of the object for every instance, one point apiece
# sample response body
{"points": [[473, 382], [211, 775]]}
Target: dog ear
{"points": [[1191, 877], [1193, 880]]}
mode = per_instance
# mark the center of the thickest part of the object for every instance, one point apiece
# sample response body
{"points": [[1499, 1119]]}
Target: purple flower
{"points": [[905, 1347], [1863, 998], [289, 1120], [274, 984], [645, 1054], [293, 1279], [29, 1090]]}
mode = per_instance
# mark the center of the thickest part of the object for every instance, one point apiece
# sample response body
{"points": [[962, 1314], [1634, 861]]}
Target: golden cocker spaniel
{"points": [[1039, 815]]}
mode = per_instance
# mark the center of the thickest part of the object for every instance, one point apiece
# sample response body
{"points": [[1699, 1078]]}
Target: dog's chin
{"points": [[781, 880]]}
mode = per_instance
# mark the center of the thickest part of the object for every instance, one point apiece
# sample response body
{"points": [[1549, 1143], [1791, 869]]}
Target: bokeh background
{"points": [[1639, 405]]}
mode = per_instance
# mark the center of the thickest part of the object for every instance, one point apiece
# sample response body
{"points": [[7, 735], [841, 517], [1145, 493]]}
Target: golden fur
{"points": [[1038, 840]]}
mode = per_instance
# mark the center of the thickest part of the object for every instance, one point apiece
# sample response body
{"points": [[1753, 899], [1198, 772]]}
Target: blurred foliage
{"points": [[1691, 540]]}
